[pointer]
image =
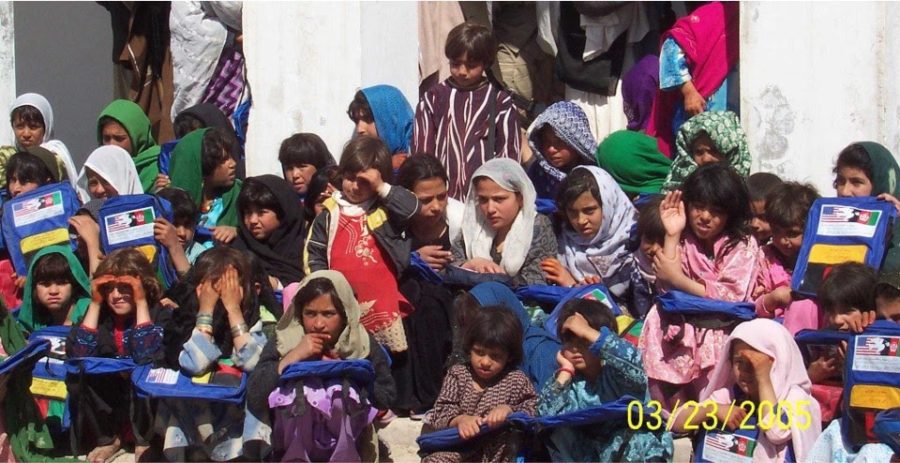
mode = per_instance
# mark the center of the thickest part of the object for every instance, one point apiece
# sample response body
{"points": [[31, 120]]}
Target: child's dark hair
{"points": [[363, 153], [184, 211], [131, 262], [211, 266], [317, 185], [27, 114], [886, 290], [760, 184], [596, 313], [313, 289], [856, 156], [216, 149], [495, 327], [649, 223], [846, 287], [577, 182], [359, 109], [304, 148], [420, 167], [186, 123], [27, 168], [474, 41], [788, 204], [718, 185], [52, 268], [256, 195]]}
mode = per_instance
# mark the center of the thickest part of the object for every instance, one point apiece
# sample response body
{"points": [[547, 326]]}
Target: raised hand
{"points": [[671, 213], [557, 273], [230, 290]]}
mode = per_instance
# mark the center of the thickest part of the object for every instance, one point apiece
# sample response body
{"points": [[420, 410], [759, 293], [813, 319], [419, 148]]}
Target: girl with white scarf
{"points": [[108, 172]]}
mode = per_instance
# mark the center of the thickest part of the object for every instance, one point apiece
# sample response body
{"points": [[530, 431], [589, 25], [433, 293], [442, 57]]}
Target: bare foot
{"points": [[139, 451], [103, 453]]}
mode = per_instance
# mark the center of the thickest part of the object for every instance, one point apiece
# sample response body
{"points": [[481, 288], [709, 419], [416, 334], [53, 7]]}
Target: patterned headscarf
{"points": [[724, 129], [571, 125]]}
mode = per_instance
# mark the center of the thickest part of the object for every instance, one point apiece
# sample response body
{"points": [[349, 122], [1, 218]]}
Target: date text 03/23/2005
{"points": [[746, 415]]}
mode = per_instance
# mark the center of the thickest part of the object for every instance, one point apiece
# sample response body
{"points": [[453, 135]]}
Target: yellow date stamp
{"points": [[746, 415]]}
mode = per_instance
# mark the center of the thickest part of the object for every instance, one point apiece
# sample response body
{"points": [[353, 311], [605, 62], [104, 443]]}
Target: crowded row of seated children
{"points": [[405, 256]]}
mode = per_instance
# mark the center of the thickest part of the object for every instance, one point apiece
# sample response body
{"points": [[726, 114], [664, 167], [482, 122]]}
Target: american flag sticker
{"points": [[876, 353], [723, 447], [130, 225], [847, 221], [39, 208]]}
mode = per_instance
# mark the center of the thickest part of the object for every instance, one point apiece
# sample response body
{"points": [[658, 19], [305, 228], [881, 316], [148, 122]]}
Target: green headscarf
{"points": [[144, 150], [885, 176], [725, 131], [186, 172], [81, 293], [634, 161]]}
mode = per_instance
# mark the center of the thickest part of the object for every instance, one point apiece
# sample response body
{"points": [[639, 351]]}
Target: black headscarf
{"points": [[281, 254], [212, 117]]}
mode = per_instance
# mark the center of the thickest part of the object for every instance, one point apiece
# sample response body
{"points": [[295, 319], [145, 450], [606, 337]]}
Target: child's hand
{"points": [[578, 325], [224, 234], [372, 177], [137, 288], [96, 284], [231, 291], [780, 297], [468, 426], [164, 232], [891, 199], [591, 280], [20, 282], [482, 265], [87, 229], [557, 273], [734, 419], [671, 213], [162, 181], [207, 296], [823, 368], [667, 270], [435, 256], [312, 345], [497, 416], [693, 102], [761, 363]]}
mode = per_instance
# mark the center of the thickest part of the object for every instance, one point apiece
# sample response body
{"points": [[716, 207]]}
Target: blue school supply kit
{"points": [[37, 219], [49, 372], [127, 221], [545, 294], [161, 383]]}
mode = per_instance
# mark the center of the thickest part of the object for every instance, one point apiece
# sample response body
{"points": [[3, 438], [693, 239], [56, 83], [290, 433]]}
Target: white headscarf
{"points": [[57, 147], [605, 254], [114, 165], [477, 232]]}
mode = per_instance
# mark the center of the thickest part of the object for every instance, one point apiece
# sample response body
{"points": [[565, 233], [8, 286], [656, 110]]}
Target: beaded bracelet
{"points": [[239, 329]]}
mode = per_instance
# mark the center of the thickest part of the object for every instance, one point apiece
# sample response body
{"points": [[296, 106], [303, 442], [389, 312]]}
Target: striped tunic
{"points": [[452, 124]]}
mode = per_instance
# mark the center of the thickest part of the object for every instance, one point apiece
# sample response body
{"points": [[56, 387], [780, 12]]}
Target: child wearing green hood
{"points": [[124, 124], [57, 290]]}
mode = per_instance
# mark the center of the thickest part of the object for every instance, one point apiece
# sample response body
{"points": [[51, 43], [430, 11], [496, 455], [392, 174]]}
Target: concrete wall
{"points": [[816, 77], [306, 60], [7, 67]]}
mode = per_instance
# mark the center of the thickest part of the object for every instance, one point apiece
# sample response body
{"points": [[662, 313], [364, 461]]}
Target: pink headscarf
{"points": [[789, 380]]}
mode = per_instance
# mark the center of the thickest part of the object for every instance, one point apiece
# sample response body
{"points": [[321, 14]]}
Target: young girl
{"points": [[502, 232], [302, 155], [762, 364], [26, 171], [359, 235], [437, 225], [707, 138], [597, 366], [787, 207], [272, 227], [322, 323], [57, 290], [226, 340], [119, 323], [486, 389], [597, 219], [561, 139], [707, 253], [32, 120], [124, 124], [382, 111], [321, 187], [108, 172]]}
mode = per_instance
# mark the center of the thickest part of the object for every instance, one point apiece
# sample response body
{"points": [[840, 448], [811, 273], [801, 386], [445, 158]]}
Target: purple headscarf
{"points": [[639, 87]]}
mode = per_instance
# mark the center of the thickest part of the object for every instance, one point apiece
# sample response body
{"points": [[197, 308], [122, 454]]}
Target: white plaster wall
{"points": [[7, 68], [814, 78], [306, 60]]}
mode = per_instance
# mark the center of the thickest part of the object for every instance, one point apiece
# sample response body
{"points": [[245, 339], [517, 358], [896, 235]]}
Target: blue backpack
{"points": [[165, 156], [49, 373], [557, 294], [722, 446], [127, 222], [887, 428], [357, 373], [38, 219], [871, 380], [159, 383], [841, 230], [814, 344], [32, 350]]}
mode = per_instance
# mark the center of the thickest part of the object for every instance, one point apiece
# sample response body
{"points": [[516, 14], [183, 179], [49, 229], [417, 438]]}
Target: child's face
{"points": [[650, 248], [706, 221], [499, 206], [98, 187], [28, 135], [844, 321], [17, 187], [704, 151], [224, 174], [432, 194], [320, 316], [761, 229], [557, 152], [299, 175], [466, 73], [365, 126], [743, 371], [578, 351], [852, 182], [261, 223], [888, 308], [487, 362], [585, 215], [120, 299], [114, 134], [185, 233], [355, 189], [53, 295], [787, 241]]}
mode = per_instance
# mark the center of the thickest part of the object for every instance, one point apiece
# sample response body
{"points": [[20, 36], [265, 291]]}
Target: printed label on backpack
{"points": [[876, 353], [52, 388], [129, 225], [832, 254], [162, 376], [720, 447], [874, 396], [847, 221], [36, 209], [599, 296], [42, 240]]}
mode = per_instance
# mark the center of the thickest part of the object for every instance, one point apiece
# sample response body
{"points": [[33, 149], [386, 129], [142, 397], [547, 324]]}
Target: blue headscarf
{"points": [[571, 124], [393, 116], [540, 347]]}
